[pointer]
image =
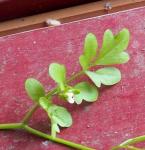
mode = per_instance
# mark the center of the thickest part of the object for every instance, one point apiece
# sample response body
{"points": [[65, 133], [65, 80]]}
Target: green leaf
{"points": [[60, 115], [88, 92], [45, 103], [108, 42], [122, 40], [94, 77], [84, 62], [106, 76], [90, 46], [90, 50], [34, 89], [58, 73], [113, 47], [120, 58]]}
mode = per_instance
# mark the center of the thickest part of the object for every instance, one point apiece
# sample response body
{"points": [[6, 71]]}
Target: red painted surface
{"points": [[119, 113], [19, 8]]}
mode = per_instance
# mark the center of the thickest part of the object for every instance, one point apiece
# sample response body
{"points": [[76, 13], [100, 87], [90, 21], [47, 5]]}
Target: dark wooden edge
{"points": [[69, 14]]}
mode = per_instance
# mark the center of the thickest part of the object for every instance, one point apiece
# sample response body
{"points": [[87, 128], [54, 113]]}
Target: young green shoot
{"points": [[111, 53]]}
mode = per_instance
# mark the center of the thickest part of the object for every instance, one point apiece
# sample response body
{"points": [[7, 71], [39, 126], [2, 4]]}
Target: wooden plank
{"points": [[116, 116], [67, 15], [10, 9]]}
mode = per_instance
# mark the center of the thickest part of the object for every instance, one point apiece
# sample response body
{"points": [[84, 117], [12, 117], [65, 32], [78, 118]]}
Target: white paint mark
{"points": [[53, 22]]}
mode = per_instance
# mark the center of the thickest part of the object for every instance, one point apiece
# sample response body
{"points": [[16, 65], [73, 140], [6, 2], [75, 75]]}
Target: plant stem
{"points": [[51, 92], [36, 105], [30, 113], [129, 142], [24, 122], [69, 80], [11, 126], [58, 140], [75, 76], [126, 147], [133, 141]]}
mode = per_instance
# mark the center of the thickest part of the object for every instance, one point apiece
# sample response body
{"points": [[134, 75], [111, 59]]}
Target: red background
{"points": [[119, 113]]}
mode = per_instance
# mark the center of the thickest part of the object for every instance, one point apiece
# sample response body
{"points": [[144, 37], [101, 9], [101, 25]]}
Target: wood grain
{"points": [[67, 15]]}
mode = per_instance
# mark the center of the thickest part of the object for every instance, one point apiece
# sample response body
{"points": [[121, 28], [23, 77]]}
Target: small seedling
{"points": [[111, 53]]}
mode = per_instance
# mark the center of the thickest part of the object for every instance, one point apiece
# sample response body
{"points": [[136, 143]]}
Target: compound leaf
{"points": [[113, 47]]}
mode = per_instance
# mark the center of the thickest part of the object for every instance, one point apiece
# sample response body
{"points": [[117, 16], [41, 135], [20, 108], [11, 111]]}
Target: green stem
{"points": [[30, 113], [69, 80], [125, 147], [53, 132], [11, 126], [51, 92], [36, 105], [133, 140], [58, 140], [75, 76]]}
